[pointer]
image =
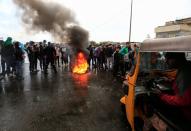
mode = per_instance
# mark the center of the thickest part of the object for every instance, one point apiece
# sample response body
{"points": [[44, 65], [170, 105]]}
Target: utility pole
{"points": [[130, 21]]}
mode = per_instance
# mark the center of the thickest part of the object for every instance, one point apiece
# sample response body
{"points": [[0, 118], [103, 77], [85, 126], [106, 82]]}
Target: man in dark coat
{"points": [[50, 54]]}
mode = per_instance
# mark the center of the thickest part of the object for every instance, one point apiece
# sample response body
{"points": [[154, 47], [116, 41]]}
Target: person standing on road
{"points": [[116, 64], [57, 59], [31, 56], [50, 54], [1, 44], [19, 59], [109, 58], [7, 57]]}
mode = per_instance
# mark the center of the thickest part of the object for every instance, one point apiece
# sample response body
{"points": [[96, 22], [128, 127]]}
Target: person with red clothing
{"points": [[181, 86], [165, 109], [180, 100]]}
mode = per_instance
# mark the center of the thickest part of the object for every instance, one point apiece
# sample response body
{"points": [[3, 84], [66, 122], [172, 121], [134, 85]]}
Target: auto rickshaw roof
{"points": [[175, 44]]}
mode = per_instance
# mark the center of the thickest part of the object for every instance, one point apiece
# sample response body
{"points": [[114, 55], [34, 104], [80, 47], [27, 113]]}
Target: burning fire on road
{"points": [[60, 22], [80, 64], [80, 69]]}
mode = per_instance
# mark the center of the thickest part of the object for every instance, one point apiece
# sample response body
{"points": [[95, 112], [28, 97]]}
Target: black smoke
{"points": [[54, 18]]}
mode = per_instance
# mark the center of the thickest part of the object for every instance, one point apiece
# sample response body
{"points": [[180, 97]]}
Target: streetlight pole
{"points": [[130, 21]]}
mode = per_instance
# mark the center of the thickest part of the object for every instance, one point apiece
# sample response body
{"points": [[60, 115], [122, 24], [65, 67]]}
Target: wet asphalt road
{"points": [[61, 102]]}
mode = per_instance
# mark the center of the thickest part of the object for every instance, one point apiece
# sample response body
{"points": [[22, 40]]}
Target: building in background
{"points": [[180, 27]]}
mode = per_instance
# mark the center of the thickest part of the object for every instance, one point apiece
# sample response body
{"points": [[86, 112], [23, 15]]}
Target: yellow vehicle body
{"points": [[179, 44], [128, 100]]}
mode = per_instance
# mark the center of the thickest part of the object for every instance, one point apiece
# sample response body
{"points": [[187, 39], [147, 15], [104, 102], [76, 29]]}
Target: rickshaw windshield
{"points": [[156, 61], [152, 61]]}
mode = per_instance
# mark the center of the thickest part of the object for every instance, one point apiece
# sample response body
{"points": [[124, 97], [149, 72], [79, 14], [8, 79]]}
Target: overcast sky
{"points": [[104, 19]]}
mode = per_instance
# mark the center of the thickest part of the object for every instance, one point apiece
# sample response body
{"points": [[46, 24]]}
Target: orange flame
{"points": [[80, 64]]}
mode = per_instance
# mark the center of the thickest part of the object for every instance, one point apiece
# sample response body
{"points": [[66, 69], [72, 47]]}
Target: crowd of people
{"points": [[108, 57], [46, 53], [12, 57], [114, 57]]}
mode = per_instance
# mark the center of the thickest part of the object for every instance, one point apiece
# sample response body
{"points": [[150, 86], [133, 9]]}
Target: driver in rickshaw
{"points": [[182, 84], [181, 88]]}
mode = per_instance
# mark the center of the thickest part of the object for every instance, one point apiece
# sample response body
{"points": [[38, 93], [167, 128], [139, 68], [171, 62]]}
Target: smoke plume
{"points": [[78, 37], [39, 15]]}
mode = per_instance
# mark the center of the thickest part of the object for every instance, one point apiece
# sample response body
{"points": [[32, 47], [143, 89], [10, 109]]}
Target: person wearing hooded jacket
{"points": [[7, 57]]}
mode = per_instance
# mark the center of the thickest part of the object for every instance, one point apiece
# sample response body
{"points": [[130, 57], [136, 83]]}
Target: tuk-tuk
{"points": [[140, 84]]}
